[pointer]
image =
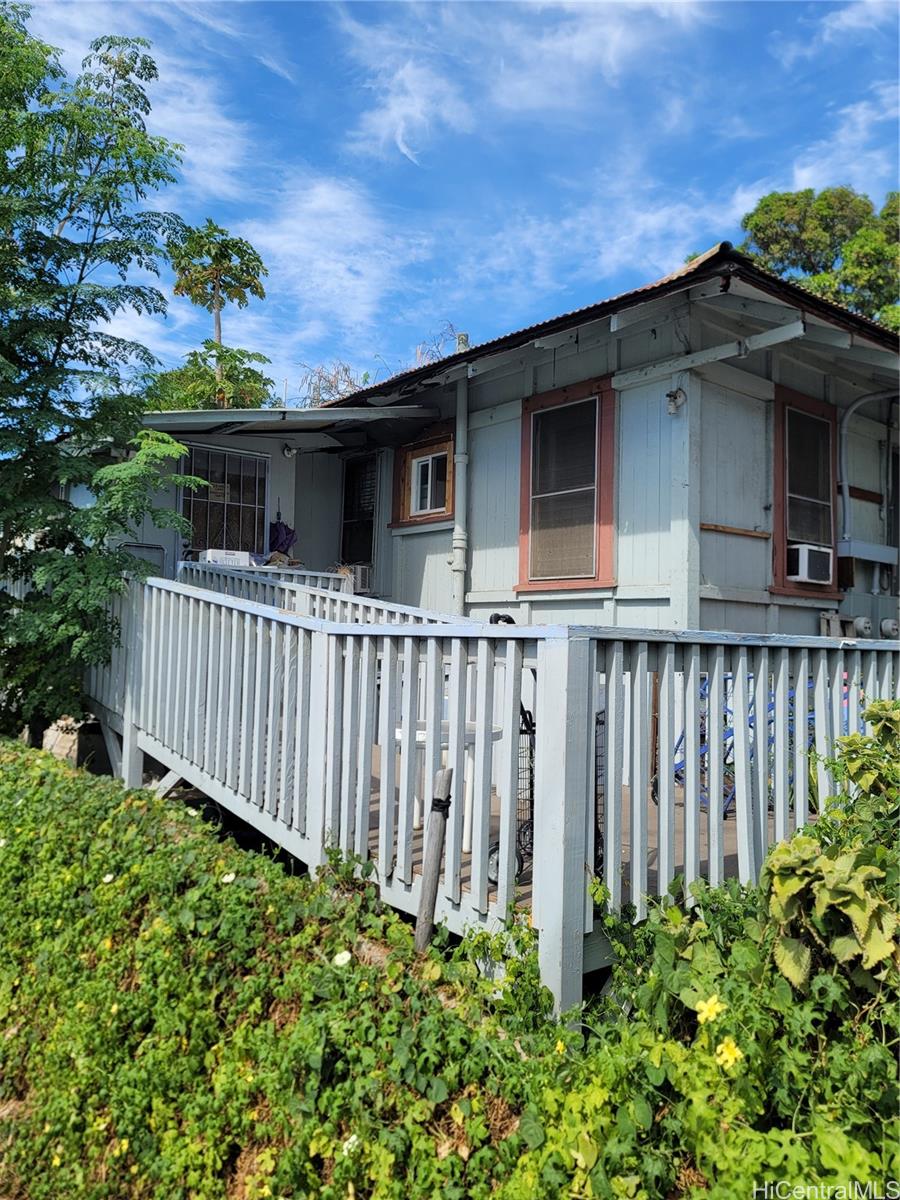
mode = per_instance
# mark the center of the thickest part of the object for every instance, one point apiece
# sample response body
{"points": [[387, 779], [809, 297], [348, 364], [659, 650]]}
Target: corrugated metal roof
{"points": [[718, 257]]}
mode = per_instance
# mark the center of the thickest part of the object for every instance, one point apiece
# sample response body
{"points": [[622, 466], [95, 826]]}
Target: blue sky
{"points": [[402, 166]]}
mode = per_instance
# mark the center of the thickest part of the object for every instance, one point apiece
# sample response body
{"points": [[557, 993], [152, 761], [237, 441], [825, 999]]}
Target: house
{"points": [[716, 450], [685, 498]]}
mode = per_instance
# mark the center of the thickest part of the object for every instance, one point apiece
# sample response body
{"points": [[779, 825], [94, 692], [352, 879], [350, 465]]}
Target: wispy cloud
{"points": [[857, 19], [335, 260], [856, 152]]}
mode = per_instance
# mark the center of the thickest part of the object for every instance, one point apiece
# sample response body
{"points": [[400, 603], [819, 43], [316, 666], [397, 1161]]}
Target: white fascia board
{"points": [[685, 362]]}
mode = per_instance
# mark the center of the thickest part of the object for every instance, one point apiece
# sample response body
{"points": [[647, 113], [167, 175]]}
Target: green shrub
{"points": [[180, 1018]]}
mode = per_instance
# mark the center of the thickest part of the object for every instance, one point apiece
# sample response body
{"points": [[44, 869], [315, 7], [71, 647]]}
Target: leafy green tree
{"points": [[215, 376], [835, 243], [76, 161], [213, 268]]}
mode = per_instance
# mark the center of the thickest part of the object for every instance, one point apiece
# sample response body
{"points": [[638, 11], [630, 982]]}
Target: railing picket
{"points": [[261, 635], [387, 746], [640, 737], [216, 615], [854, 680], [887, 685], [781, 767], [289, 722], [508, 774], [349, 746], [408, 757], [761, 718], [235, 690], [456, 761], [368, 664], [836, 685], [665, 793], [333, 739], [743, 779], [481, 784], [295, 814], [615, 711], [692, 743], [222, 693], [434, 699], [716, 766], [801, 738], [248, 674], [824, 739], [275, 721]]}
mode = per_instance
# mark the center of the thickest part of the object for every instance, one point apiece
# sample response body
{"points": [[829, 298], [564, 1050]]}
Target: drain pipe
{"points": [[460, 554], [846, 520]]}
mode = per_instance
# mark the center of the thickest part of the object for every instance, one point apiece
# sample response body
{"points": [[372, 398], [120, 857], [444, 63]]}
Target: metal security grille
{"points": [[229, 514]]}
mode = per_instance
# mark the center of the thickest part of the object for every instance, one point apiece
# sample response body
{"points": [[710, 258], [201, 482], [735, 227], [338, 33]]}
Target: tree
{"points": [[212, 268], [76, 161], [835, 243], [215, 376]]}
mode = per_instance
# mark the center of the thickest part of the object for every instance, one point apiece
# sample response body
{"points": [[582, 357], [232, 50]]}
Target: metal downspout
{"points": [[846, 519], [460, 552]]}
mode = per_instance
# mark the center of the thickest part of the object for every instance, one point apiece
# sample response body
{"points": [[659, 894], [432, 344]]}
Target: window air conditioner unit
{"points": [[808, 564], [362, 578]]}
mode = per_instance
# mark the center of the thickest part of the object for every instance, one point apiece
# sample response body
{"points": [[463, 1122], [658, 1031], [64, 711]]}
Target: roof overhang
{"points": [[306, 428]]}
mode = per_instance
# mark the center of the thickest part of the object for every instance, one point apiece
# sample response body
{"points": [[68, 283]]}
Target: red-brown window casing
{"points": [[786, 398], [604, 515], [438, 438]]}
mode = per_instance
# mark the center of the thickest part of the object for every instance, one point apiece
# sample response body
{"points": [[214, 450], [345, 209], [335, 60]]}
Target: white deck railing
{"points": [[320, 732], [206, 575], [310, 600]]}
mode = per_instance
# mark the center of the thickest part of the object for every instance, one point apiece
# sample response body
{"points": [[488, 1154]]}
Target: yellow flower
{"points": [[728, 1053], [708, 1010], [560, 1047], [107, 943], [57, 1161], [114, 1008]]}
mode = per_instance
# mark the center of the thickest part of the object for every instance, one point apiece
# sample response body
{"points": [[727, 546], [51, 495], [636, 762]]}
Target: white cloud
{"points": [[855, 153], [853, 20], [413, 101], [433, 68], [337, 265], [189, 101]]}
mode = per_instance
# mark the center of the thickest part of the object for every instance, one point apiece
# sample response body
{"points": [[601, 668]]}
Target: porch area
{"points": [[320, 717]]}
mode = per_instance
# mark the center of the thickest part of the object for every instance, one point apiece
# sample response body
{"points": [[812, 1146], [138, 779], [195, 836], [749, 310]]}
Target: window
{"points": [[567, 496], [805, 480], [563, 492], [809, 485], [230, 514], [429, 485], [358, 516], [423, 482]]}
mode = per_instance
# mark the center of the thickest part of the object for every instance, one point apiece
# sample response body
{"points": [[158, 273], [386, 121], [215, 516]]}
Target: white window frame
{"points": [[415, 465]]}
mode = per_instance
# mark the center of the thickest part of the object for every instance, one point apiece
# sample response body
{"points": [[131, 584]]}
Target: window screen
{"points": [[564, 492], [809, 482], [230, 514]]}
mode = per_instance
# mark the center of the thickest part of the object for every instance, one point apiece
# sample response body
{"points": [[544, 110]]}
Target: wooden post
{"points": [[562, 790], [434, 852]]}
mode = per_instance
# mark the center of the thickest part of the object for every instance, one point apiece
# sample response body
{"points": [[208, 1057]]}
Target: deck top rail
{"points": [[342, 607], [645, 755]]}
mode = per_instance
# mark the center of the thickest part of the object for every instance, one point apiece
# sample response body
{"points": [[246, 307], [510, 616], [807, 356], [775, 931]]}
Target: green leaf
{"points": [[437, 1090], [793, 960], [531, 1129]]}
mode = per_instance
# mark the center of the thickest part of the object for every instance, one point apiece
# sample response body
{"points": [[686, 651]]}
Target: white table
{"points": [[469, 733]]}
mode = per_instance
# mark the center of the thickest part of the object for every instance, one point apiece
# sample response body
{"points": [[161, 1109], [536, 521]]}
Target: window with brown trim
{"points": [[805, 491], [566, 504], [423, 481]]}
